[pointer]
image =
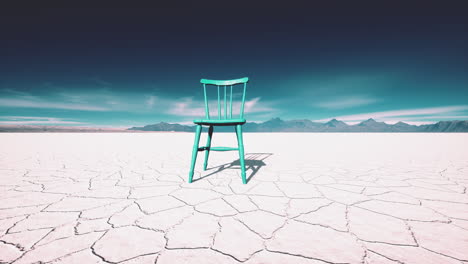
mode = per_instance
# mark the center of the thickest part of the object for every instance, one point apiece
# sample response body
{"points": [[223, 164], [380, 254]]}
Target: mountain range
{"points": [[305, 125]]}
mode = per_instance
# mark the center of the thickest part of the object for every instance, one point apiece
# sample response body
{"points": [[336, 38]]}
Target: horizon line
{"points": [[120, 127]]}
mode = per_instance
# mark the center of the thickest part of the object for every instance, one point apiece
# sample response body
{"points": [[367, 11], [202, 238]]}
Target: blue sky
{"points": [[123, 68]]}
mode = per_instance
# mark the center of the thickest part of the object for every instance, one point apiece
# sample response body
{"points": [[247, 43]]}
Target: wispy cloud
{"points": [[150, 101], [416, 115], [12, 91], [256, 106], [40, 103], [101, 99], [186, 107], [190, 107], [346, 102], [106, 99], [37, 120]]}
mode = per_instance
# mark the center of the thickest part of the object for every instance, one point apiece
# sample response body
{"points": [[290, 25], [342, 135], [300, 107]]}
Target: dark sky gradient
{"points": [[352, 60]]}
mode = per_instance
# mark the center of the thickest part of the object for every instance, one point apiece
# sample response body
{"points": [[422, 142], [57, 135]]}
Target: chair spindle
{"points": [[219, 105], [207, 112], [230, 104], [243, 101]]}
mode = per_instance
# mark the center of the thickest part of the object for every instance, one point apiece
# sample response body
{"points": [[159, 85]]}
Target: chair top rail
{"points": [[225, 82]]}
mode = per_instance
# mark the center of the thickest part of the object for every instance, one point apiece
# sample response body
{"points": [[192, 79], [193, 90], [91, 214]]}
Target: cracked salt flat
{"points": [[312, 198]]}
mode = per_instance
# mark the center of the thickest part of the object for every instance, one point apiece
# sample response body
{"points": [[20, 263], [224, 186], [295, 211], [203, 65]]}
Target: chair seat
{"points": [[220, 122]]}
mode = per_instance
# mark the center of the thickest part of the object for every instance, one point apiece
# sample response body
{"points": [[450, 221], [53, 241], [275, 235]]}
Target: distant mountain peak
{"points": [[275, 119], [367, 122], [163, 126], [372, 125], [334, 120], [335, 123], [400, 123]]}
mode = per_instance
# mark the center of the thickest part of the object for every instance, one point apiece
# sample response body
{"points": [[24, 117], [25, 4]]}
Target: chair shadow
{"points": [[253, 161]]}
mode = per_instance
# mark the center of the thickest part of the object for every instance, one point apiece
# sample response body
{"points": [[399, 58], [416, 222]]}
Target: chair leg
{"points": [[208, 145], [194, 152], [240, 143]]}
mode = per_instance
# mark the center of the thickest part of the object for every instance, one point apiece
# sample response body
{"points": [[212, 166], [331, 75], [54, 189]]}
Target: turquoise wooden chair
{"points": [[225, 119]]}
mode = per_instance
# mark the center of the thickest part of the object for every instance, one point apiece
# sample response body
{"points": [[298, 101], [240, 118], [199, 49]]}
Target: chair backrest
{"points": [[224, 84]]}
